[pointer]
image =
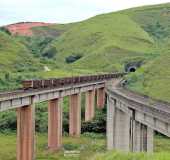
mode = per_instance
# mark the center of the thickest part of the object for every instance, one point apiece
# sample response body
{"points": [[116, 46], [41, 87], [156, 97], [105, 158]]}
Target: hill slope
{"points": [[153, 78], [14, 56], [24, 28], [103, 41], [106, 43]]}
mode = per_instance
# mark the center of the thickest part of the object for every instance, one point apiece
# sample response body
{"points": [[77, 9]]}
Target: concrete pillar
{"points": [[25, 133], [55, 124], [122, 131], [142, 138], [100, 97], [110, 123], [75, 115], [136, 142], [150, 135], [90, 105]]}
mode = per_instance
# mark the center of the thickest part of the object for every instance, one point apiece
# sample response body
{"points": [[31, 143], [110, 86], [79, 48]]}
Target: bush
{"points": [[50, 53], [7, 121], [72, 58], [3, 29], [98, 125]]}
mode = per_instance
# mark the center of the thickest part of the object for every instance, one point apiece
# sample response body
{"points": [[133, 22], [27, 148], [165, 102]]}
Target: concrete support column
{"points": [[110, 123], [25, 133], [122, 131], [150, 136], [55, 124], [75, 115], [142, 138], [100, 97], [136, 141], [90, 105]]}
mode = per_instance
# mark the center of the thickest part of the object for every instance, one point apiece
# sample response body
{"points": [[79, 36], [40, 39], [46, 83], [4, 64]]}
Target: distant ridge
{"points": [[24, 28]]}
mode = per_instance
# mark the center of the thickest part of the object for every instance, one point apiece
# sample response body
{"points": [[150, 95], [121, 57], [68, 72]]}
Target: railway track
{"points": [[162, 106], [30, 86]]}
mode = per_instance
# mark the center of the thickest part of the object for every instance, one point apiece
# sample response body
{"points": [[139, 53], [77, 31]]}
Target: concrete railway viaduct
{"points": [[131, 118]]}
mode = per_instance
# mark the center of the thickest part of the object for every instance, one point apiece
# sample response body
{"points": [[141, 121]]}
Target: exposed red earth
{"points": [[24, 28]]}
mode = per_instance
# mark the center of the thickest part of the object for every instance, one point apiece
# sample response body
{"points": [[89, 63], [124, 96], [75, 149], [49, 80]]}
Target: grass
{"points": [[13, 54], [161, 152], [153, 79], [88, 145], [130, 156], [91, 146], [103, 40]]}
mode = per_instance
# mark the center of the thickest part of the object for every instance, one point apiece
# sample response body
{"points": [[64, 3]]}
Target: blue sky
{"points": [[62, 11]]}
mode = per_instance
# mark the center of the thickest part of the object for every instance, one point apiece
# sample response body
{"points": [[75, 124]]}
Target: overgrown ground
{"points": [[88, 145], [91, 146]]}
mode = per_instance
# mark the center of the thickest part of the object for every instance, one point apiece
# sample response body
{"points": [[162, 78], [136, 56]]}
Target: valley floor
{"points": [[91, 147]]}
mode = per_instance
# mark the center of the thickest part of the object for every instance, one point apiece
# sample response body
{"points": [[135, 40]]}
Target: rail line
{"points": [[46, 84]]}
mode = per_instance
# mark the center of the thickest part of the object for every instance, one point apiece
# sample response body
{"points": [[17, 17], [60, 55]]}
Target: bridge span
{"points": [[24, 102], [133, 118]]}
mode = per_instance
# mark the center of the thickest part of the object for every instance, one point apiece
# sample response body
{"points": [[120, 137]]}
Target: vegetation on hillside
{"points": [[14, 56], [153, 78], [104, 43]]}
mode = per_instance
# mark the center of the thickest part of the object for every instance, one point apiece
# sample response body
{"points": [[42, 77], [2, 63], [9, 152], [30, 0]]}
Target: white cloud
{"points": [[62, 11]]}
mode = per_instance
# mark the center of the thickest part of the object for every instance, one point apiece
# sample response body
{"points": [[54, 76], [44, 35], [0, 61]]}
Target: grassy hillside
{"points": [[104, 43], [108, 42], [153, 78], [14, 56], [52, 30]]}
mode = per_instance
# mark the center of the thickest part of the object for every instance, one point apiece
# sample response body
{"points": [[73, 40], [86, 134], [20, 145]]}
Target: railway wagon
{"points": [[59, 82]]}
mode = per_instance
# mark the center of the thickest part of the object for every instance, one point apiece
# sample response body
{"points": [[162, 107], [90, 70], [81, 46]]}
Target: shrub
{"points": [[50, 53], [3, 29], [72, 58]]}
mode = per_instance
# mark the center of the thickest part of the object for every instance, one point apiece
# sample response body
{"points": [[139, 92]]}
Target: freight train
{"points": [[59, 82]]}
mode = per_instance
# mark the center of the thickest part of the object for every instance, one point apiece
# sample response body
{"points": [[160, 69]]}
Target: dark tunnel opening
{"points": [[132, 69]]}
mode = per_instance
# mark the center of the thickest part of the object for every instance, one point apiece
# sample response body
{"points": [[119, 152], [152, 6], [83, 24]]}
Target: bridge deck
{"points": [[150, 112]]}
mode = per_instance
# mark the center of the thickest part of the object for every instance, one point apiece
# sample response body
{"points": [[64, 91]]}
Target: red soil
{"points": [[25, 28]]}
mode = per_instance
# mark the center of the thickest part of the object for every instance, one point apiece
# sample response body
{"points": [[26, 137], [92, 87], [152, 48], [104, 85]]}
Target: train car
{"points": [[56, 82], [47, 83], [37, 84], [59, 82], [68, 80], [27, 84]]}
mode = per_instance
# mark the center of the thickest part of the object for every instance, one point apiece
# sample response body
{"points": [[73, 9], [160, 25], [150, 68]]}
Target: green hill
{"points": [[14, 56], [104, 43], [153, 78]]}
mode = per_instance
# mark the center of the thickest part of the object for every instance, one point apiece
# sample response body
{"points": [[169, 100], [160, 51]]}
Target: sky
{"points": [[62, 11]]}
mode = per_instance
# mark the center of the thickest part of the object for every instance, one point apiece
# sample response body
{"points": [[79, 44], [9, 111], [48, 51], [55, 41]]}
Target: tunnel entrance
{"points": [[132, 69], [132, 66]]}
